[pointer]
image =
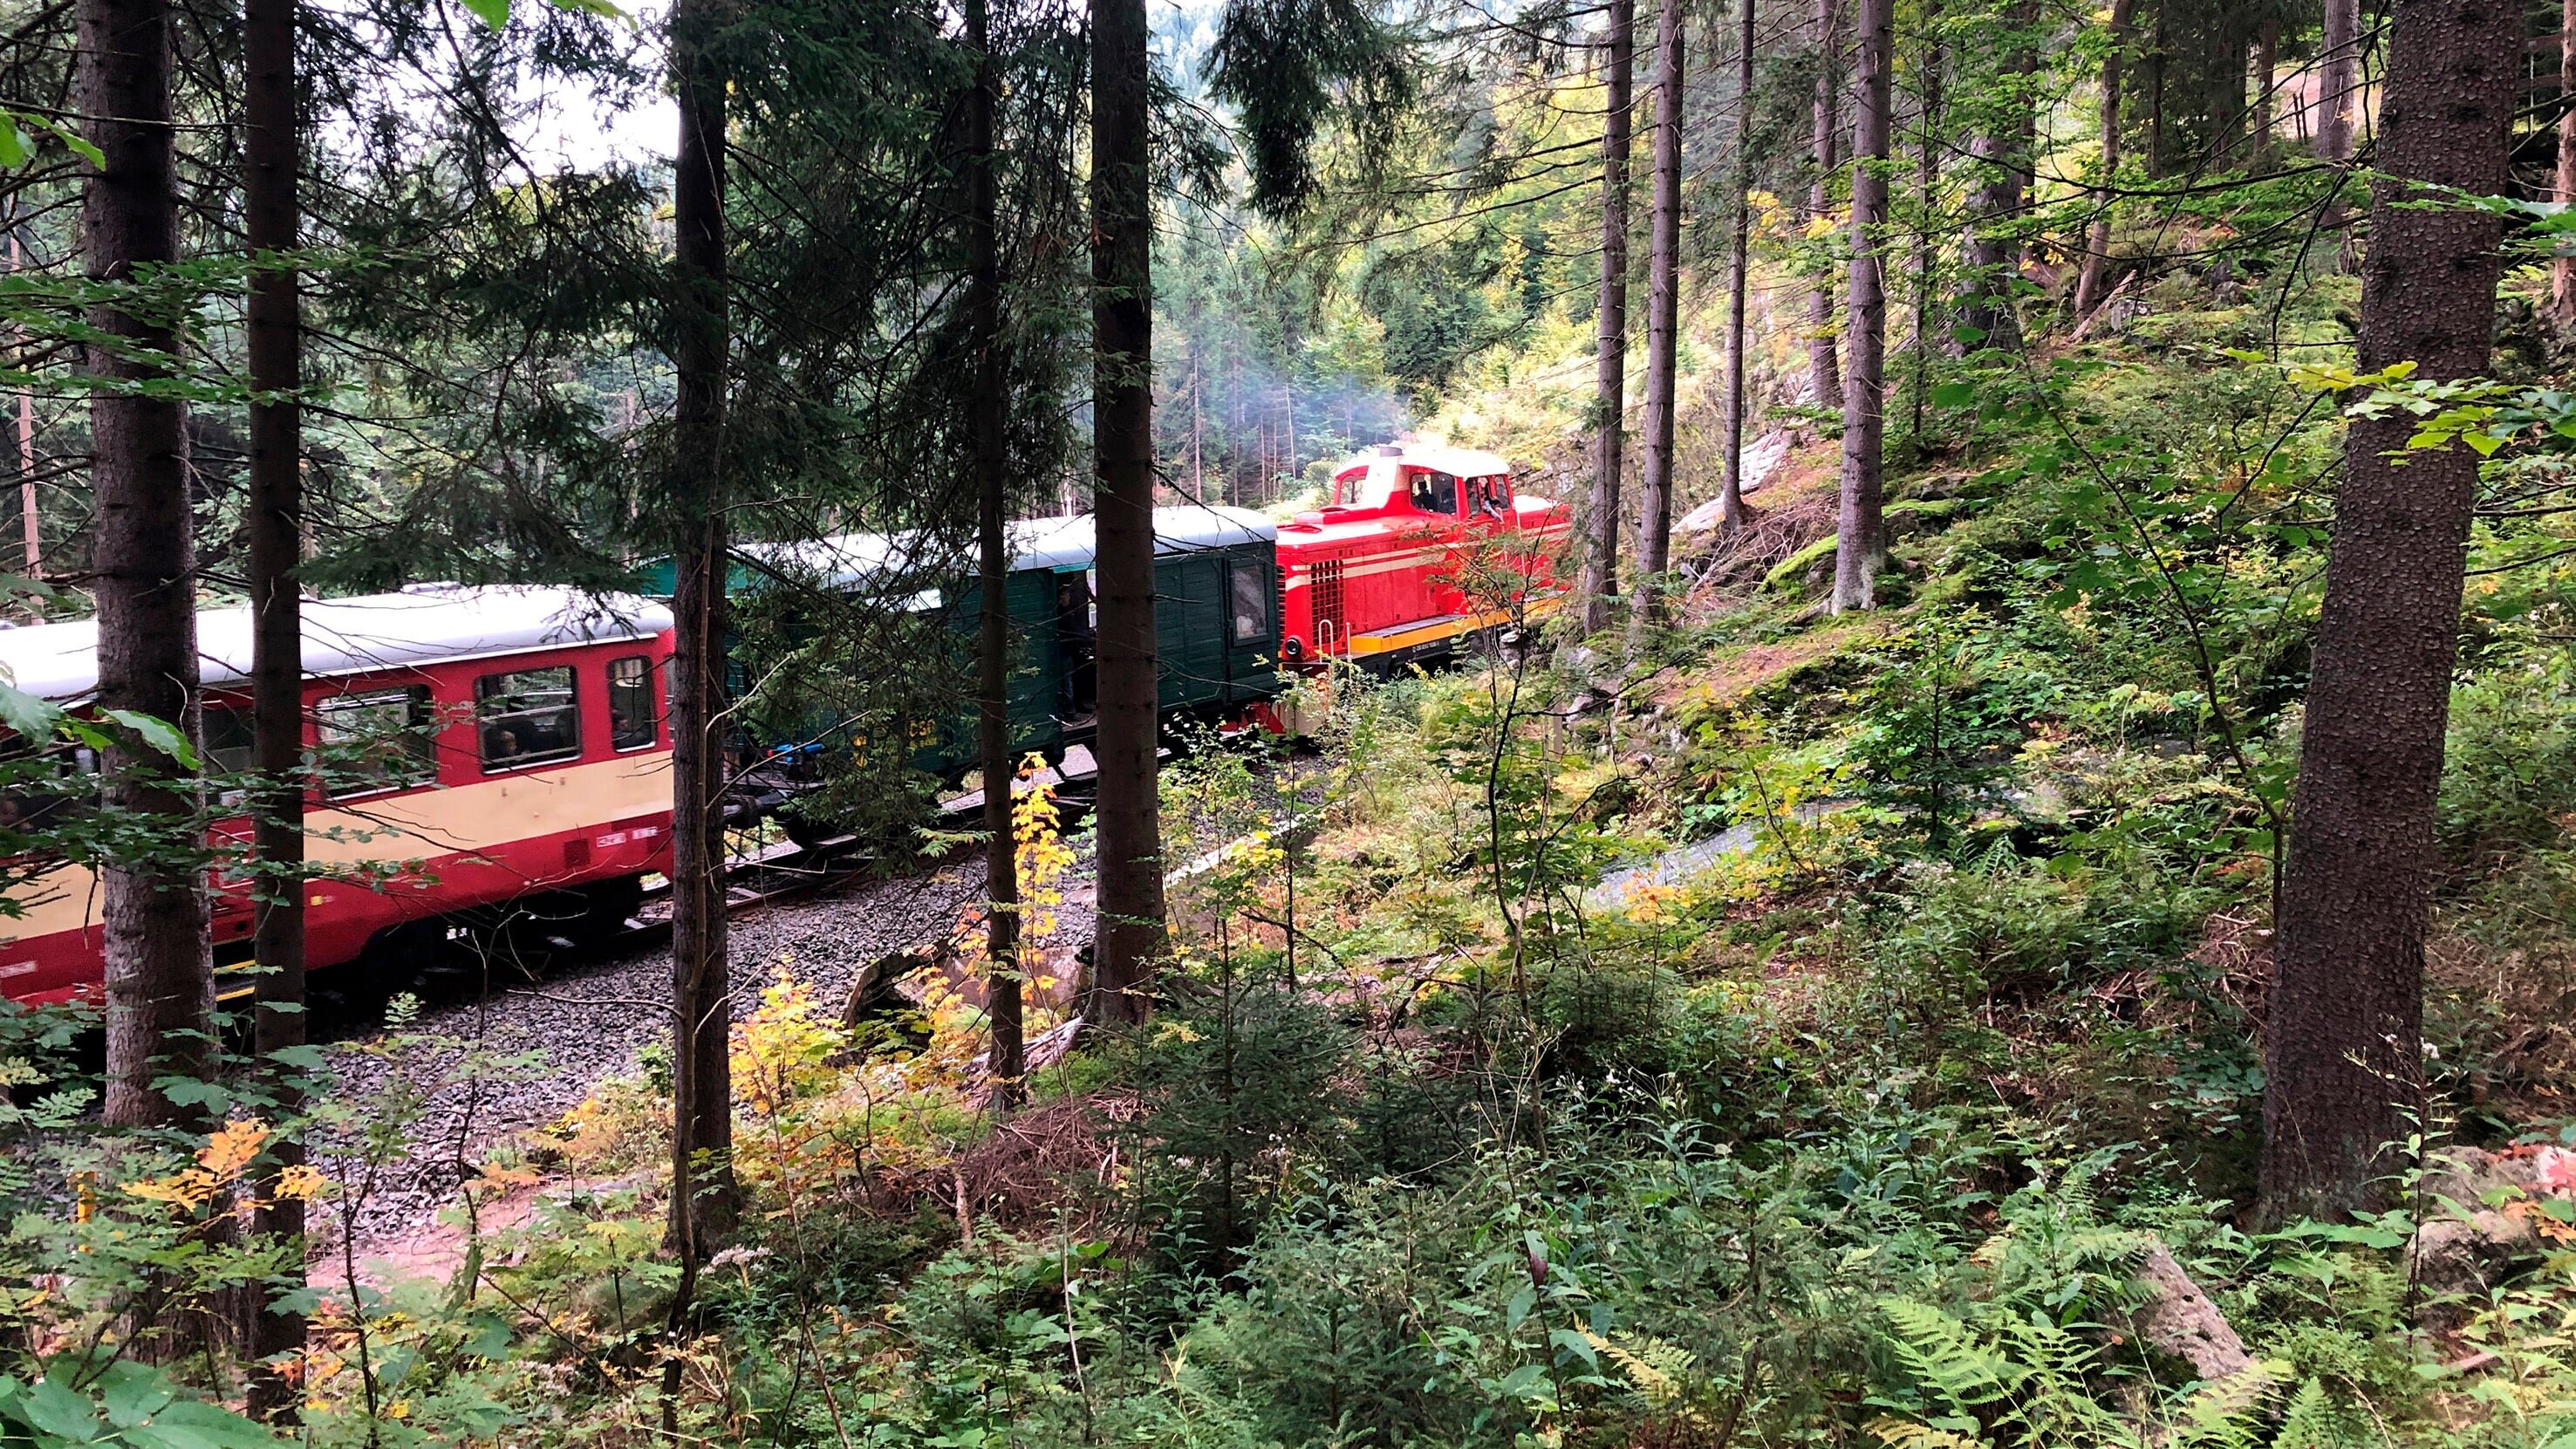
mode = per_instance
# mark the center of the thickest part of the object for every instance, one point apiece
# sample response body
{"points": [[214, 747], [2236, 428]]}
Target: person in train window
{"points": [[500, 746], [1435, 493]]}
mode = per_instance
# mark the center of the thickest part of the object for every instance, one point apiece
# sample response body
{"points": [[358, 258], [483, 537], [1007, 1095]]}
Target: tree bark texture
{"points": [[2342, 1050], [1730, 488], [704, 1200], [2562, 272], [1610, 388], [1663, 322], [1860, 537], [160, 980], [1927, 190], [1986, 253], [2339, 81], [991, 425], [273, 521], [2097, 235], [1131, 938], [1824, 363]]}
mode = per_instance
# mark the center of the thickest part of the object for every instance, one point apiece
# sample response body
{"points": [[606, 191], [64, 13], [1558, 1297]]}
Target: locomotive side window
{"points": [[379, 740], [1435, 493], [527, 717], [632, 725], [1251, 604]]}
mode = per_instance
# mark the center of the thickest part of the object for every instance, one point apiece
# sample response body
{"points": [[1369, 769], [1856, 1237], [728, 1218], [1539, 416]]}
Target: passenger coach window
{"points": [[228, 746], [527, 717], [631, 722], [376, 740], [1251, 605]]}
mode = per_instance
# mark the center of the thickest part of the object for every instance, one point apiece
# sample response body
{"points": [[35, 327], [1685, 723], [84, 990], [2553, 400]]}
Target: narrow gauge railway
{"points": [[500, 755]]}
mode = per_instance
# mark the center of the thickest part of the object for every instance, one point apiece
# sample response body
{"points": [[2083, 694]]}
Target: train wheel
{"points": [[810, 833]]}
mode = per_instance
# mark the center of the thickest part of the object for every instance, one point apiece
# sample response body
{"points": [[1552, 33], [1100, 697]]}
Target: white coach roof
{"points": [[423, 624]]}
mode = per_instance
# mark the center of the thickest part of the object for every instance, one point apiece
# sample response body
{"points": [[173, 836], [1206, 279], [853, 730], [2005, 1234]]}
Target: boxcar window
{"points": [[377, 739], [228, 746], [1251, 604], [527, 717], [631, 724]]}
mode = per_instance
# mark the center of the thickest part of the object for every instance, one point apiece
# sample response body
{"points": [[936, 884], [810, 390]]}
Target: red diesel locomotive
{"points": [[1379, 575], [485, 746]]}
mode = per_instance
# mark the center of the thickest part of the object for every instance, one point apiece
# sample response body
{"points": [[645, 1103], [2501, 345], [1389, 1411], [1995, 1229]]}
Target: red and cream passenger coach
{"points": [[477, 746]]}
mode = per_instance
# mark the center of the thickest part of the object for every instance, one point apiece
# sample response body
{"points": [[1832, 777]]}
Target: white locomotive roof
{"points": [[1062, 544], [422, 624], [1437, 457]]}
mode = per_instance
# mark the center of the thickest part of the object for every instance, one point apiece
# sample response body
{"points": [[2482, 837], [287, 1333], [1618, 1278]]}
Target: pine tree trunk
{"points": [[1131, 936], [704, 1200], [2343, 1037], [2267, 49], [1824, 364], [2097, 239], [992, 490], [1986, 252], [2562, 272], [160, 979], [1927, 182], [1663, 306], [1730, 488], [1860, 538], [1610, 391], [273, 520], [2339, 82]]}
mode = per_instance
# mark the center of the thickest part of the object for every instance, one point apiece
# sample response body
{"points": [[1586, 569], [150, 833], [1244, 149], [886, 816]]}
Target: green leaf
{"points": [[14, 144], [80, 145], [158, 733], [32, 719], [1954, 394], [494, 13], [1577, 1345], [132, 1393], [54, 1409]]}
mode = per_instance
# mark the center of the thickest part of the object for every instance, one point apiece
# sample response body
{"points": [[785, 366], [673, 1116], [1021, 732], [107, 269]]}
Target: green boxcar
{"points": [[1216, 606]]}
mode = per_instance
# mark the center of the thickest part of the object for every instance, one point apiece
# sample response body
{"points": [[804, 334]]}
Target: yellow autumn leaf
{"points": [[233, 1148], [302, 1183]]}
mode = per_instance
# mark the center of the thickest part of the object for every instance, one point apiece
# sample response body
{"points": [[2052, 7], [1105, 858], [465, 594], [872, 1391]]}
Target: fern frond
{"points": [[1903, 1434]]}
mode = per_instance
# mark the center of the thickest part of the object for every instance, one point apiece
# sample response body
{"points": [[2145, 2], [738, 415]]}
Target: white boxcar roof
{"points": [[843, 560], [423, 624]]}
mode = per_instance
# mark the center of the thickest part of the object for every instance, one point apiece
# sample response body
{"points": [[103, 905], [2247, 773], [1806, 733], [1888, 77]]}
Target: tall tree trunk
{"points": [[1824, 364], [2156, 65], [2097, 239], [2339, 82], [160, 979], [1860, 538], [1730, 488], [1122, 328], [1987, 253], [274, 522], [2267, 49], [1610, 392], [704, 1198], [2342, 1042], [2562, 272], [1663, 307], [992, 492], [1927, 181]]}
